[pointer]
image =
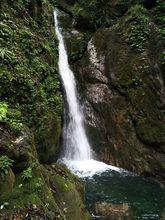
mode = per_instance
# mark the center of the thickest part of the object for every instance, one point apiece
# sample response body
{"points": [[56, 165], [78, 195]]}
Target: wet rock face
{"points": [[122, 87], [76, 40]]}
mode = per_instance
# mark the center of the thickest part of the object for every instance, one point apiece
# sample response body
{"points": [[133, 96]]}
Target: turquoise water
{"points": [[145, 197]]}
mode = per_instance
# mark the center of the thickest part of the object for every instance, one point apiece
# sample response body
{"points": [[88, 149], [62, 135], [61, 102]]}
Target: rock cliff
{"points": [[121, 81]]}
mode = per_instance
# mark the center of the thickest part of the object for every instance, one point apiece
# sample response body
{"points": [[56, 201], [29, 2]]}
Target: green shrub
{"points": [[11, 116], [3, 111], [39, 184], [29, 81], [5, 164], [27, 174], [138, 31]]}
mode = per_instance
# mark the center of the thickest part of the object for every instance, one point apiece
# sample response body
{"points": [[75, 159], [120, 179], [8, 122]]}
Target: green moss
{"points": [[29, 82], [138, 31], [3, 111], [159, 16], [67, 193], [6, 183], [130, 121], [94, 14], [132, 64], [12, 117], [5, 164], [33, 192], [77, 47], [50, 193]]}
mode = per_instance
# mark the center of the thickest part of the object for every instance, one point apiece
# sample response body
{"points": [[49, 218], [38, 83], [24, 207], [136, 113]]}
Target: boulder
{"points": [[121, 83], [6, 184], [113, 212]]}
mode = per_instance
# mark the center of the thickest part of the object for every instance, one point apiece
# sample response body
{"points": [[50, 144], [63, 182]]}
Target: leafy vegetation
{"points": [[12, 117], [39, 184], [159, 16], [29, 82], [78, 47], [5, 164], [27, 174], [3, 111], [138, 31], [99, 13]]}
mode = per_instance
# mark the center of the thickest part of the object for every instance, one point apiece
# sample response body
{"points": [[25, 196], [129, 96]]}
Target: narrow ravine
{"points": [[77, 152], [105, 184]]}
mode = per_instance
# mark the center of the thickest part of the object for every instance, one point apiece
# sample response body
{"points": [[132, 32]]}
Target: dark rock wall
{"points": [[121, 84]]}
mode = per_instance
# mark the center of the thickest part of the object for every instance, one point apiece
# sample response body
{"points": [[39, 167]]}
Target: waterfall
{"points": [[76, 143], [77, 151]]}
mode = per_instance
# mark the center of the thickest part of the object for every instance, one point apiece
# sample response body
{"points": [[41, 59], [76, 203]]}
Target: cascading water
{"points": [[77, 151], [77, 146]]}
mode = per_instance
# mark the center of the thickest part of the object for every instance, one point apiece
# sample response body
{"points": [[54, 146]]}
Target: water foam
{"points": [[89, 168]]}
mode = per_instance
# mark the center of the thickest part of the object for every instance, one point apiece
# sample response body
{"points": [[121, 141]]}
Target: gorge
{"points": [[105, 184], [94, 105], [77, 150]]}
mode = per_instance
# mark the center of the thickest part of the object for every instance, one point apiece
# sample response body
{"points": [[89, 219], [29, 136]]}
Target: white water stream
{"points": [[77, 151]]}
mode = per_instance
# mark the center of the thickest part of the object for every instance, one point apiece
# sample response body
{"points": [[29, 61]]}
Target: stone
{"points": [[6, 184], [122, 92], [113, 211]]}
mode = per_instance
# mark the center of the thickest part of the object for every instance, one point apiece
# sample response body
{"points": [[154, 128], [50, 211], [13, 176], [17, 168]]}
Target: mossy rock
{"points": [[68, 192], [33, 195], [75, 39], [45, 192], [121, 83], [20, 148], [6, 184], [49, 138]]}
